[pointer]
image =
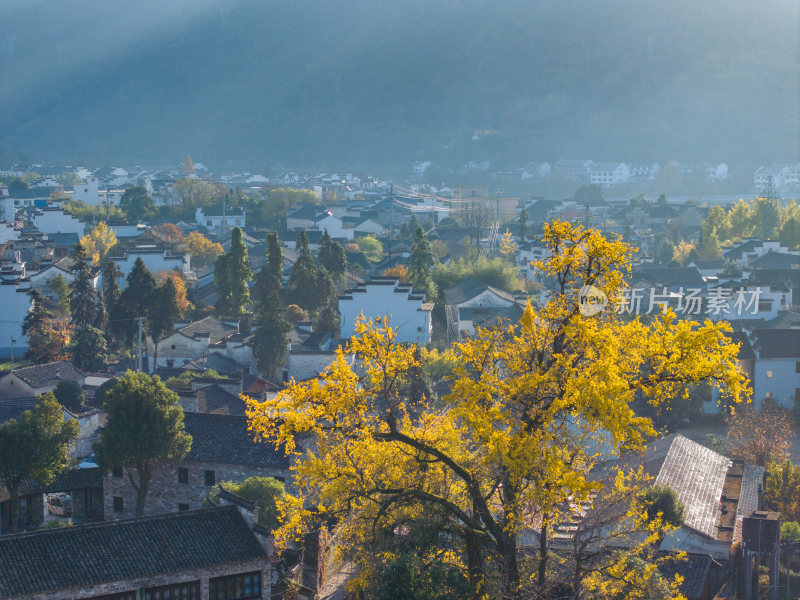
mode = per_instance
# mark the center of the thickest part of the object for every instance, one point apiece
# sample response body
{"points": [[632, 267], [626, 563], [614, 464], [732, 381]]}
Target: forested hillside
{"points": [[376, 83]]}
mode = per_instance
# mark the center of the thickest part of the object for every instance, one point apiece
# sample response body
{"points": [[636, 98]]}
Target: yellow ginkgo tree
{"points": [[534, 406], [98, 242]]}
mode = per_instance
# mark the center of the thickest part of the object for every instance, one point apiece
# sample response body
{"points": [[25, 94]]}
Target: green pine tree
{"points": [[420, 264], [332, 256], [269, 342], [232, 274], [303, 279]]}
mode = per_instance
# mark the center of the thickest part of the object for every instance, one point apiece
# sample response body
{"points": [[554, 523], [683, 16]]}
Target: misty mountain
{"points": [[374, 83]]}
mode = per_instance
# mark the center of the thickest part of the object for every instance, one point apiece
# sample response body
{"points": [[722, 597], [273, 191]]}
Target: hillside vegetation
{"points": [[375, 83]]}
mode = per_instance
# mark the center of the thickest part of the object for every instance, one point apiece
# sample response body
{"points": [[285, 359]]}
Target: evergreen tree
{"points": [[135, 301], [303, 279], [665, 251], [164, 311], [58, 285], [328, 320], [111, 291], [70, 395], [420, 264], [136, 203], [270, 277], [523, 231], [36, 327], [101, 322], [326, 291], [332, 257], [269, 341], [88, 348], [233, 277], [82, 297]]}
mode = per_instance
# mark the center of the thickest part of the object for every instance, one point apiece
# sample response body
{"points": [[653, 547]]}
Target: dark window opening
{"points": [[188, 590], [246, 586], [210, 477], [182, 507], [119, 504], [183, 475]]}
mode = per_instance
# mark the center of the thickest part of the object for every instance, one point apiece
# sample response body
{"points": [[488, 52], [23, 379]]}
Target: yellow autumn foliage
{"points": [[534, 406]]}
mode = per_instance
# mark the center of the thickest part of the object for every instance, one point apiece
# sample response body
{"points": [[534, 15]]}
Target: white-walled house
{"points": [[155, 259], [776, 373], [195, 341], [370, 227], [473, 294], [55, 220], [9, 232], [15, 304], [407, 311], [334, 226], [610, 174], [234, 217], [88, 191]]}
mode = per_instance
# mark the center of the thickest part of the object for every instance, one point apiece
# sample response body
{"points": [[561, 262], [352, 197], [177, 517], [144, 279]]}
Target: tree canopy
{"points": [[515, 440], [98, 242], [145, 425], [35, 447], [137, 203], [232, 274]]}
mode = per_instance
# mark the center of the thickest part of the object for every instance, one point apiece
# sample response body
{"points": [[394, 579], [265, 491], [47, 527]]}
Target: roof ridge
{"points": [[116, 522]]}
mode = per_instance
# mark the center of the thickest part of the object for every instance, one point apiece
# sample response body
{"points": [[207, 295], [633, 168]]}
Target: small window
{"points": [[183, 507], [116, 472], [183, 475], [769, 374], [172, 346], [210, 477], [119, 504], [170, 363], [797, 367]]}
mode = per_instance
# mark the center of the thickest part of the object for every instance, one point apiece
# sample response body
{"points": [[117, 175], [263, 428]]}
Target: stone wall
{"points": [[166, 493]]}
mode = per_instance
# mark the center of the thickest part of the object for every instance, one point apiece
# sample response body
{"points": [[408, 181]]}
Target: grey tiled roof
{"points": [[39, 376], [208, 326], [752, 480], [12, 409], [775, 260], [469, 288], [777, 343], [695, 473], [225, 439], [76, 479], [745, 348], [216, 400], [786, 319], [693, 568], [46, 560]]}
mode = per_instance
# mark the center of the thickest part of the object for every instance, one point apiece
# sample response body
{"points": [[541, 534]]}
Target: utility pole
{"points": [[391, 211], [12, 352], [139, 354]]}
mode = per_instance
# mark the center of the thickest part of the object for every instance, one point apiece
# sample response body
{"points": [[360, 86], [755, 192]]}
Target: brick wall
{"points": [[165, 493], [150, 582]]}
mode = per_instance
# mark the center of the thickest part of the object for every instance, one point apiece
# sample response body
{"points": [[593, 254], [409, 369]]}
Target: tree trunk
{"points": [[542, 577], [508, 550], [143, 471], [13, 504], [475, 566]]}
